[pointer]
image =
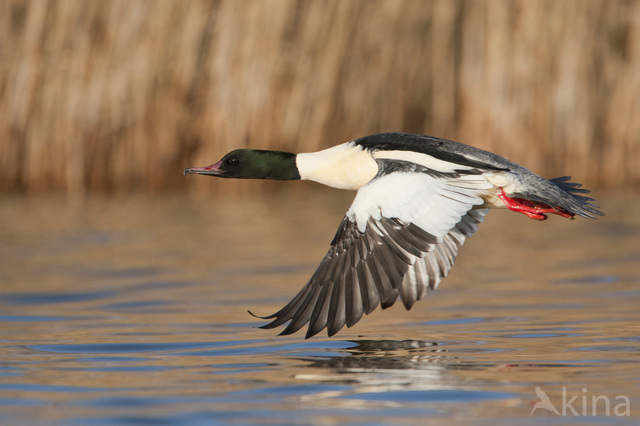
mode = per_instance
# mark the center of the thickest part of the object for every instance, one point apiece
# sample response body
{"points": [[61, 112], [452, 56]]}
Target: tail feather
{"points": [[574, 187], [567, 195]]}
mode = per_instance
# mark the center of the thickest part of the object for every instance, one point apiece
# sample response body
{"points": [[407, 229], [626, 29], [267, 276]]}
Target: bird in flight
{"points": [[418, 198]]}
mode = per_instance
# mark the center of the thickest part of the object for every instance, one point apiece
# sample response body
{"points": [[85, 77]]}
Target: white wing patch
{"points": [[434, 204], [425, 160]]}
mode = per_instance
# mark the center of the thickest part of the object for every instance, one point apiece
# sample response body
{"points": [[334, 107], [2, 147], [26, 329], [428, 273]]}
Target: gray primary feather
{"points": [[365, 269]]}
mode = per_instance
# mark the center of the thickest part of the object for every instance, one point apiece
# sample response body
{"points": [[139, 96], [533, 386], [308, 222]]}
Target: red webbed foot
{"points": [[532, 209]]}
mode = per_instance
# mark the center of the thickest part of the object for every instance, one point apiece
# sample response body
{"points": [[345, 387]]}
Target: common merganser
{"points": [[419, 197]]}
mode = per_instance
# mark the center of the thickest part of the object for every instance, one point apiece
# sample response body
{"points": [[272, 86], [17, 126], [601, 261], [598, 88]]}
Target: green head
{"points": [[252, 164]]}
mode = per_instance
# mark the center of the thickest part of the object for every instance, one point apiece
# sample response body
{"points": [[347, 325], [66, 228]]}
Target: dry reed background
{"points": [[123, 94]]}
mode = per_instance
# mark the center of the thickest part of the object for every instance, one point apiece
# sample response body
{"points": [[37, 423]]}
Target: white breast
{"points": [[345, 166]]}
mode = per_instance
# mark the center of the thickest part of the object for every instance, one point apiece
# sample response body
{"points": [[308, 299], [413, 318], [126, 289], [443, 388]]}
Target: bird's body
{"points": [[418, 199]]}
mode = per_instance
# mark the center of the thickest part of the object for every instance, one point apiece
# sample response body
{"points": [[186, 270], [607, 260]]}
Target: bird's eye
{"points": [[233, 161]]}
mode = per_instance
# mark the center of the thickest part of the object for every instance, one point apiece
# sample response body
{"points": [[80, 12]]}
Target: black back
{"points": [[442, 149]]}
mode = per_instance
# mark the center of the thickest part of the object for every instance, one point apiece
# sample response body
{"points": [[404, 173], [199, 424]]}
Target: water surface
{"points": [[134, 310]]}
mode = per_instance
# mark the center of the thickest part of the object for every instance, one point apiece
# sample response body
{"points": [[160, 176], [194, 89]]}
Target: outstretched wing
{"points": [[399, 238]]}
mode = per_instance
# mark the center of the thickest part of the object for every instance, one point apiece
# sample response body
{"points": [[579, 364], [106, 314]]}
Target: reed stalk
{"points": [[123, 94]]}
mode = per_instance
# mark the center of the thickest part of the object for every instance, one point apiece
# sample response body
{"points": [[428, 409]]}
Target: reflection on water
{"points": [[133, 310]]}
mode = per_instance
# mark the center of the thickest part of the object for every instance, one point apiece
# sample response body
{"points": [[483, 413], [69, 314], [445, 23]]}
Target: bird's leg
{"points": [[532, 209]]}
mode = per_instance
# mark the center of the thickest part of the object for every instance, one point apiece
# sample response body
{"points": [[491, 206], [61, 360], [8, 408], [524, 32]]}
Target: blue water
{"points": [[133, 310]]}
